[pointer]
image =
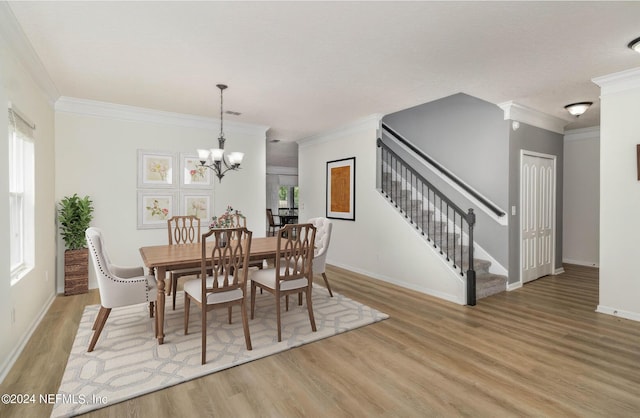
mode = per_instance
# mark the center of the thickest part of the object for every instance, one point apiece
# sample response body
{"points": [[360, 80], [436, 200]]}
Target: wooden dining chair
{"points": [[230, 252], [272, 222], [293, 271], [240, 221], [323, 238], [182, 230]]}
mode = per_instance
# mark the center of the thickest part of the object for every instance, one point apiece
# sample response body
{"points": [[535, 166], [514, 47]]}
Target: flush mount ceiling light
{"points": [[635, 45], [577, 109], [216, 159]]}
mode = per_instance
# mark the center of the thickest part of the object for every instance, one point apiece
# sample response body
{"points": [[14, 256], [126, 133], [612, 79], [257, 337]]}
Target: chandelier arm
{"points": [[216, 167]]}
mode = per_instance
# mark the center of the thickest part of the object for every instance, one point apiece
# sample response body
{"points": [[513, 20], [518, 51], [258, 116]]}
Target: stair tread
{"points": [[487, 284], [488, 278]]}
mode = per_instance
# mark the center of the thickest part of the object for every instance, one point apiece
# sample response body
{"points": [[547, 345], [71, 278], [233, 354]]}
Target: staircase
{"points": [[441, 233], [438, 230], [435, 216]]}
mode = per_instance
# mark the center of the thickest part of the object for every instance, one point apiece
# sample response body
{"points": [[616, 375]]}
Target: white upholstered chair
{"points": [[323, 238], [119, 286], [292, 273], [229, 253]]}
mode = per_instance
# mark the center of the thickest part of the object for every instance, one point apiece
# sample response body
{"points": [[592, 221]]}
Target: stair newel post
{"points": [[471, 273]]}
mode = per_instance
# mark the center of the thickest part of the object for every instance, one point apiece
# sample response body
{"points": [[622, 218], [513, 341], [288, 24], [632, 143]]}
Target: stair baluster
{"points": [[405, 187]]}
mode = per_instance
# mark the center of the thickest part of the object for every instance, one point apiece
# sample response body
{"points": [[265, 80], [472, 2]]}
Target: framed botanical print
{"points": [[155, 207], [192, 173], [156, 169], [341, 189], [196, 203]]}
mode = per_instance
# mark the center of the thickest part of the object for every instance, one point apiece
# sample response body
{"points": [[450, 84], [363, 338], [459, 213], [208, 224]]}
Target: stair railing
{"points": [[442, 222], [471, 191]]}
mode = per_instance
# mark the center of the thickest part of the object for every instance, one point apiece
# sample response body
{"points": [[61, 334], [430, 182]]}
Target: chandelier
{"points": [[215, 158]]}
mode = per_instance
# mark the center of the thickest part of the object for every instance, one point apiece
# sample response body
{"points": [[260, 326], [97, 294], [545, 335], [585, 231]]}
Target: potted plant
{"points": [[74, 215]]}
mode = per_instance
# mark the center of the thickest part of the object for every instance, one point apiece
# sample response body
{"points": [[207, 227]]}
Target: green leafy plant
{"points": [[74, 216]]}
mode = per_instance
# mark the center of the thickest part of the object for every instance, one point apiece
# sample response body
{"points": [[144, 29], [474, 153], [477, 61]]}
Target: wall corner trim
{"points": [[368, 122], [634, 316], [618, 82], [582, 134], [6, 366], [11, 32], [515, 111], [139, 114], [282, 171]]}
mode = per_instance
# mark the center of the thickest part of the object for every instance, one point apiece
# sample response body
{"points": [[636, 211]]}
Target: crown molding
{"points": [[366, 123], [618, 82], [582, 134], [140, 114], [282, 171], [515, 111], [14, 38]]}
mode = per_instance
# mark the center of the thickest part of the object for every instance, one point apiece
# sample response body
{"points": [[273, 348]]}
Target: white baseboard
{"points": [[580, 262], [13, 356], [513, 286], [634, 316], [558, 271], [440, 295]]}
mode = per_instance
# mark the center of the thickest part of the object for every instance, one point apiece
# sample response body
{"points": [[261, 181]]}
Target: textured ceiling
{"points": [[306, 67]]}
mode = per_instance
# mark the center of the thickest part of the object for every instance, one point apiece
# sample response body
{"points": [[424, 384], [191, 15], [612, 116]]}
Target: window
{"points": [[21, 196], [288, 197]]}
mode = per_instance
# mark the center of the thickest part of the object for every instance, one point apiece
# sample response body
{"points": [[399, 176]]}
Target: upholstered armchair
{"points": [[119, 286], [323, 238]]}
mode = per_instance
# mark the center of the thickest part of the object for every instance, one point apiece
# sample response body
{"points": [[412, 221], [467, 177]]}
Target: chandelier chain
{"points": [[221, 138]]}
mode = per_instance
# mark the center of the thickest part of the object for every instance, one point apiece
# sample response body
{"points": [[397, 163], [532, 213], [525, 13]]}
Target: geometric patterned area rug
{"points": [[128, 362]]}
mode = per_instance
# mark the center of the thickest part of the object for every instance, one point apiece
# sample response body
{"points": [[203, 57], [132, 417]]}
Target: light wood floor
{"points": [[537, 351]]}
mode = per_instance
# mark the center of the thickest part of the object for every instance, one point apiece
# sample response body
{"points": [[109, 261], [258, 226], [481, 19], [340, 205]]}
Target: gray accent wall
{"points": [[467, 135], [531, 138], [470, 138]]}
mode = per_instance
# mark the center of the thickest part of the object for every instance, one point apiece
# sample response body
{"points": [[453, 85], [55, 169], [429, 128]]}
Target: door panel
{"points": [[537, 211]]}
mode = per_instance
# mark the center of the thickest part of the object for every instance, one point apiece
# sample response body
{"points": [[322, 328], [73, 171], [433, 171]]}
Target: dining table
{"points": [[162, 258], [288, 216]]}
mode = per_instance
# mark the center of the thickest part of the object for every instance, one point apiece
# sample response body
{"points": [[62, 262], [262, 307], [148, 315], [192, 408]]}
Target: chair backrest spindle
{"points": [[295, 251], [225, 253], [183, 230]]}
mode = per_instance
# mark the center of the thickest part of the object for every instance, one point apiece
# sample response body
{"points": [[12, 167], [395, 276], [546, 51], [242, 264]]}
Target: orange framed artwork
{"points": [[341, 189]]}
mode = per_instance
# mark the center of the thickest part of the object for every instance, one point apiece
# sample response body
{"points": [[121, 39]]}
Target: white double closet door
{"points": [[537, 196]]}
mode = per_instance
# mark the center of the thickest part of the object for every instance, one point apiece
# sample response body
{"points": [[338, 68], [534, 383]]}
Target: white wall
{"points": [[619, 194], [96, 155], [32, 295], [581, 226], [380, 243]]}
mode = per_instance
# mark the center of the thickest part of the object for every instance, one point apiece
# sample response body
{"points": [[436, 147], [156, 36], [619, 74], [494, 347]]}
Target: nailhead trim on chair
{"points": [[108, 275]]}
